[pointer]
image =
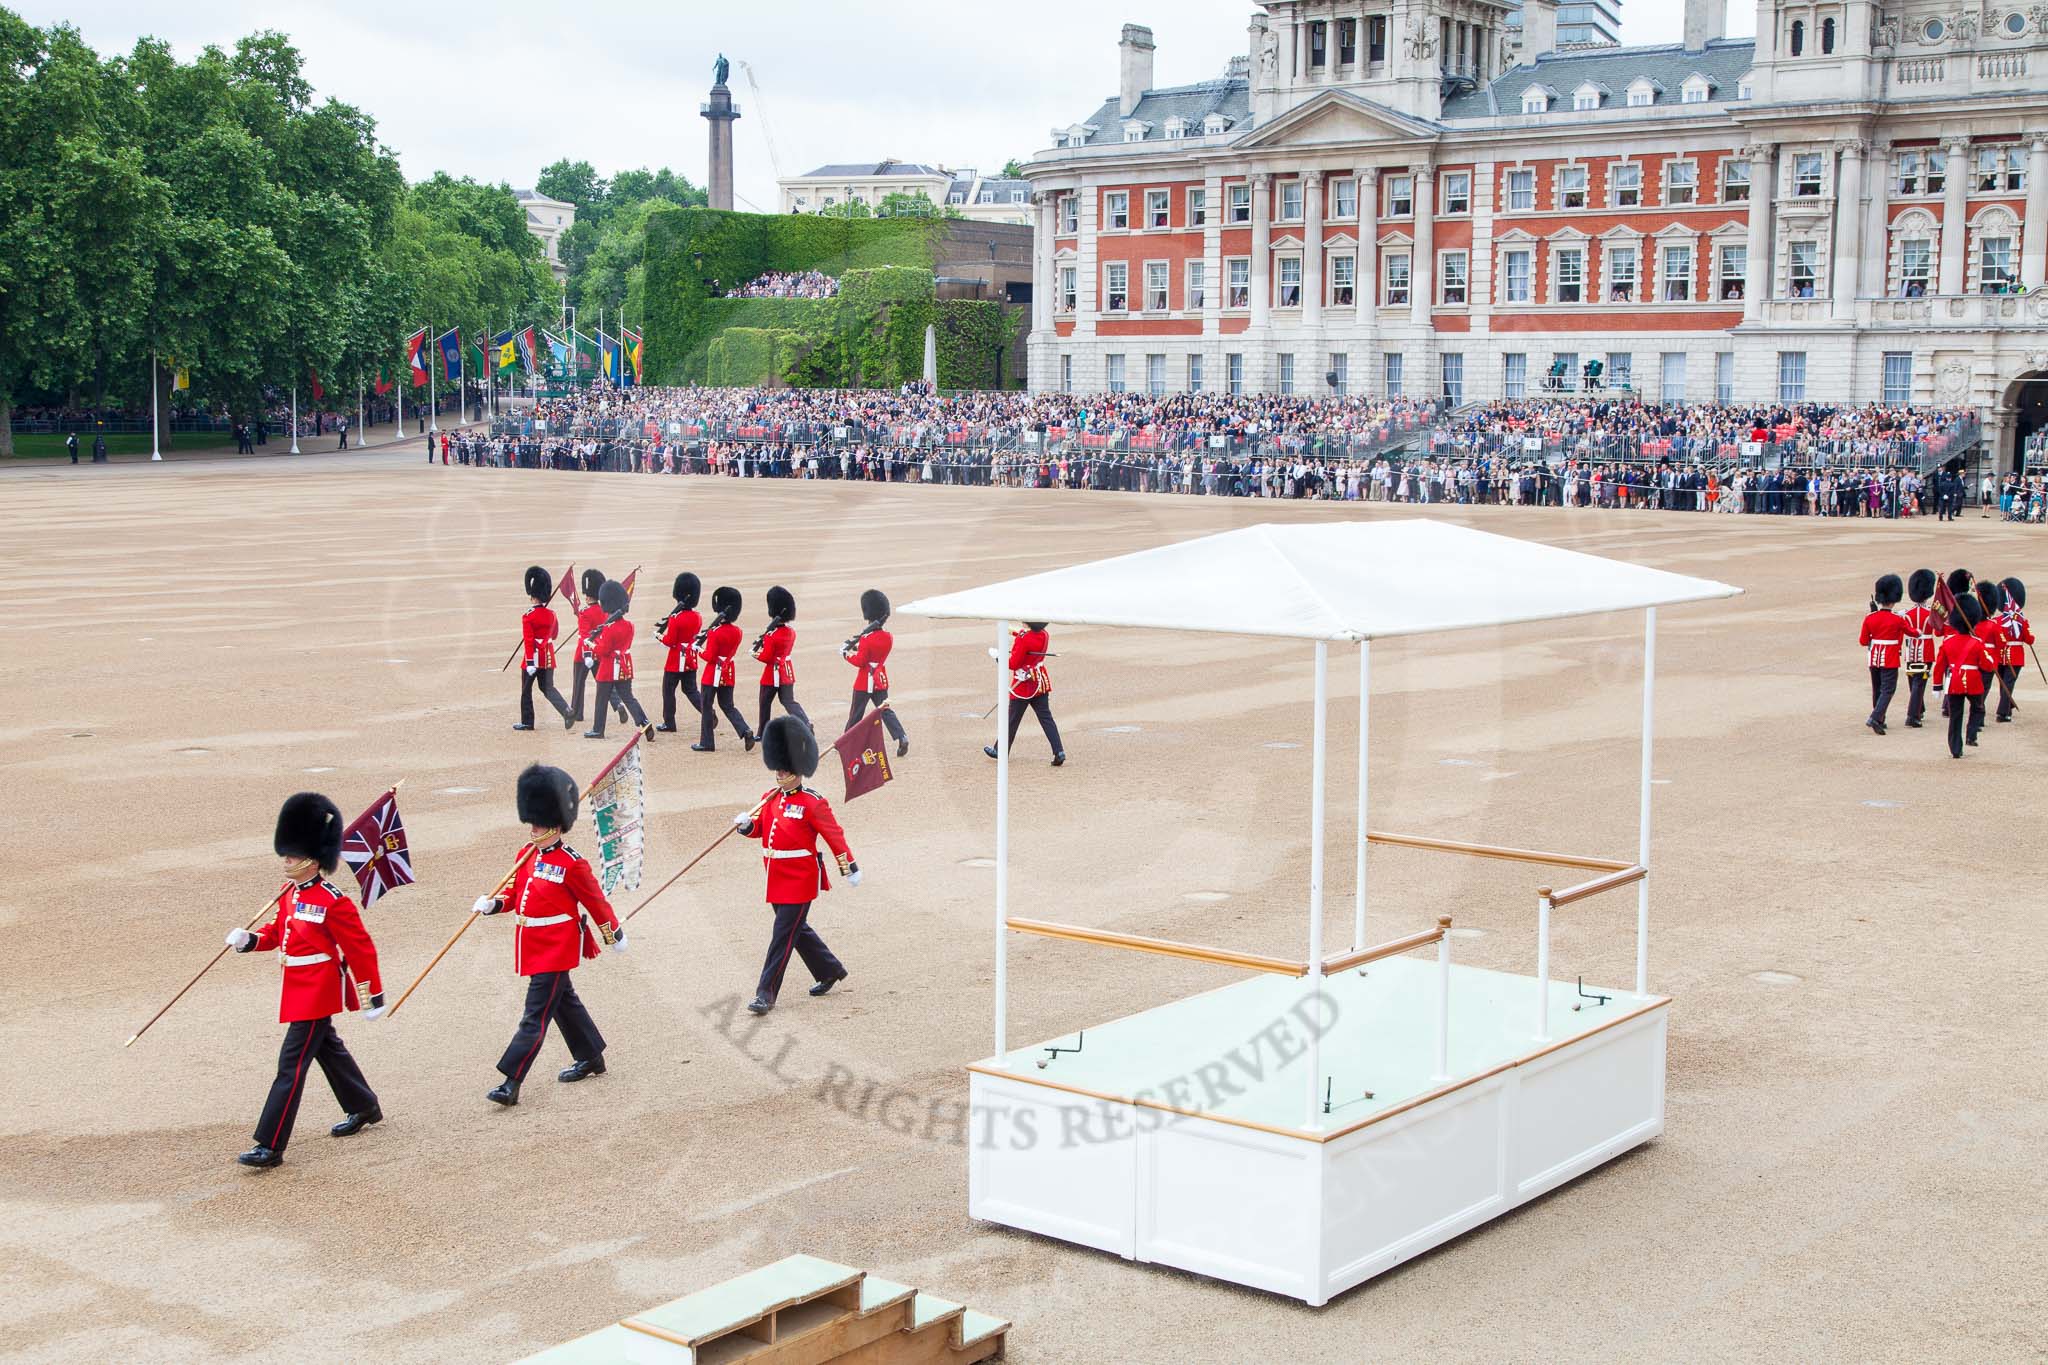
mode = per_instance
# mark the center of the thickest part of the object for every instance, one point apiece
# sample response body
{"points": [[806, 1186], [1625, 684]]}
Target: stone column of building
{"points": [[1422, 264], [1763, 192], [720, 112], [1044, 277], [2034, 242], [1366, 272], [1842, 279], [1877, 177], [1312, 248], [1262, 250], [1955, 208], [1087, 270]]}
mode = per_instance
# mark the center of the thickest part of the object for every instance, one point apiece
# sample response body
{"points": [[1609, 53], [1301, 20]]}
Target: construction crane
{"points": [[761, 111]]}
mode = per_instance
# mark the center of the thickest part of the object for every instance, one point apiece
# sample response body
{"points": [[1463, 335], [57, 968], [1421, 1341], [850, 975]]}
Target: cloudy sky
{"points": [[499, 90]]}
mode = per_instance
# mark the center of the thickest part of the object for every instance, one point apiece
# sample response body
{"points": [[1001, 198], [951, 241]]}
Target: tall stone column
{"points": [[1763, 193], [1955, 208], [1842, 281], [1312, 248], [1366, 279], [1422, 265], [1262, 250], [2034, 241], [720, 111], [1877, 236], [1044, 278]]}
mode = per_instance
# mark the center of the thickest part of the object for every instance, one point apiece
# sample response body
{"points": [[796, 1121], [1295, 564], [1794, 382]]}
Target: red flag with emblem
{"points": [[375, 849], [864, 756]]}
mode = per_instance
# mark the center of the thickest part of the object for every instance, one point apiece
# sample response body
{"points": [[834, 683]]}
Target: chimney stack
{"points": [[1539, 29], [1134, 67], [1705, 20]]}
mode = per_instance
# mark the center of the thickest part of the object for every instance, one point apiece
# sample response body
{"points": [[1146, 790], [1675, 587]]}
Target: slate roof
{"points": [[1724, 62], [861, 169], [1231, 98]]}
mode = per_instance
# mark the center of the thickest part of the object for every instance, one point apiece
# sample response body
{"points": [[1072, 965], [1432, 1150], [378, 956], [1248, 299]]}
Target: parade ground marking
{"points": [[1457, 762], [195, 751], [316, 770], [1280, 744], [1880, 804], [459, 791], [1123, 729], [977, 862], [1206, 896], [1776, 978], [1466, 931]]}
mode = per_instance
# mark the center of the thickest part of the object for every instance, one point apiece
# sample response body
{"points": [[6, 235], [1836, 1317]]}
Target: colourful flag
{"points": [[181, 378], [507, 349], [416, 357], [380, 386], [558, 354], [616, 808], [586, 354], [607, 353], [633, 354], [375, 849], [451, 354], [318, 392], [864, 755], [527, 348], [481, 364]]}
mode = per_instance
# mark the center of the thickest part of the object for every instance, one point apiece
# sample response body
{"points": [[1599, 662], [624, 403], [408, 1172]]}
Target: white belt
{"points": [[307, 959], [789, 853], [538, 921]]}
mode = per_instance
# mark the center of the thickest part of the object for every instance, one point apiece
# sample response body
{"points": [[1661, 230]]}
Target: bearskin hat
{"points": [[788, 746], [613, 597], [1920, 586], [547, 797], [781, 604], [1959, 581], [540, 584], [1890, 590], [1991, 595], [2015, 592], [593, 582], [1972, 612], [309, 826], [726, 602], [1034, 625], [687, 590], [874, 605]]}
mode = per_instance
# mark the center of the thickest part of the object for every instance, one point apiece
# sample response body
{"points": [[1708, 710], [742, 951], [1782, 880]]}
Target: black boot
{"points": [[827, 984], [902, 747], [261, 1157], [522, 726], [1061, 757], [703, 749], [506, 1094], [593, 1067], [989, 749], [355, 1123], [760, 1004], [750, 740]]}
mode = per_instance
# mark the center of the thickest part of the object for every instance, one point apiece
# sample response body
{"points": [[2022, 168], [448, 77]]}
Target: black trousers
{"points": [[1884, 684], [1916, 697], [793, 931], [544, 679], [787, 692], [550, 996], [1041, 705], [889, 721], [576, 689], [2008, 674], [1954, 707], [670, 681], [617, 693], [722, 696], [307, 1041]]}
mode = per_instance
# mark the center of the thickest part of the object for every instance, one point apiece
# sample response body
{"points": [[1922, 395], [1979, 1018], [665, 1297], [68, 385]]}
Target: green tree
{"points": [[851, 208], [1013, 169], [573, 182], [911, 204]]}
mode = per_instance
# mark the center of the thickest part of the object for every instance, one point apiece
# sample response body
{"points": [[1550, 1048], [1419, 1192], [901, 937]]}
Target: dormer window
{"points": [[1214, 124], [1535, 100], [1642, 93], [1586, 97], [1134, 131], [1696, 89], [1743, 89], [1176, 128]]}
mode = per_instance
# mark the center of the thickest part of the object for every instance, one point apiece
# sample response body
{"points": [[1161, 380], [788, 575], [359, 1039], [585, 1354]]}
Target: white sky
{"points": [[498, 90]]}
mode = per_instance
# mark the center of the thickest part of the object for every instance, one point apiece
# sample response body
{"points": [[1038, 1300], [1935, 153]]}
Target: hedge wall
{"points": [[972, 333]]}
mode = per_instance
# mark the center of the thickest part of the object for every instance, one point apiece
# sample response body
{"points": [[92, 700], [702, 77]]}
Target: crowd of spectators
{"points": [[787, 284]]}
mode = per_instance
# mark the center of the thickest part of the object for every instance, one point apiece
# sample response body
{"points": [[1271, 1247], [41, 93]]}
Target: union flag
{"points": [[375, 849], [864, 755]]}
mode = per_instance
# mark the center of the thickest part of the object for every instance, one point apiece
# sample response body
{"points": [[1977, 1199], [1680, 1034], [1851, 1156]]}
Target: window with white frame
{"points": [[1791, 376], [1625, 185], [1214, 124], [1621, 370], [1116, 210], [1517, 274], [1343, 280], [1452, 275], [1586, 97], [1677, 276], [1641, 95], [1724, 376], [1175, 128], [1621, 273], [1735, 180], [1681, 182], [1571, 187], [1070, 279], [1340, 373], [1514, 375], [1521, 194], [1734, 272], [1198, 285], [1809, 174], [1155, 286], [1116, 287], [1694, 91], [1916, 267], [1400, 196], [1157, 211], [1995, 273], [1396, 275], [1285, 363], [1453, 367], [1290, 201], [1194, 372], [1066, 374], [1290, 281], [1237, 282], [1910, 178], [1070, 215], [1198, 208], [1233, 373], [1155, 375], [1457, 195], [1898, 378], [1569, 264], [1344, 198], [1671, 377], [1238, 204], [1113, 371], [1393, 366], [1535, 100], [1803, 269]]}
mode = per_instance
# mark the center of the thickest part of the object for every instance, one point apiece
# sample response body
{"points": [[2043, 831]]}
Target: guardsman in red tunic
{"points": [[537, 631], [789, 822], [868, 652], [773, 649], [719, 644], [1991, 630], [678, 630], [1962, 667], [329, 965], [589, 619], [1031, 686], [2018, 635], [1884, 635], [1924, 629], [611, 658], [550, 894]]}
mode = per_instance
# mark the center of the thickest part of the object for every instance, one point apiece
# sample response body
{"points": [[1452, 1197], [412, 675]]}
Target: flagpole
{"points": [[155, 449], [433, 403], [360, 438], [295, 417], [730, 830], [398, 426]]}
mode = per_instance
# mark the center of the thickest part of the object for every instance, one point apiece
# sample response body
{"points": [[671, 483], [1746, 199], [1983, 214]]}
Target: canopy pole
{"points": [[1315, 884], [1364, 752], [1643, 832], [1002, 840]]}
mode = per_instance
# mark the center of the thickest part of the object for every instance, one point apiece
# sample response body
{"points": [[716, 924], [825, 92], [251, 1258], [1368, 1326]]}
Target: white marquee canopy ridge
{"points": [[1350, 580]]}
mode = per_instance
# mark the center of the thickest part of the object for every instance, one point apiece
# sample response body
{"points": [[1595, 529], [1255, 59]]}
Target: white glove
{"points": [[241, 940], [619, 943], [743, 819], [590, 661], [376, 1011], [992, 653], [485, 905], [531, 669], [853, 877]]}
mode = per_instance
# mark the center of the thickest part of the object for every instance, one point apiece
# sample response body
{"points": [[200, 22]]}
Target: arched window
{"points": [[1798, 37], [1827, 36]]}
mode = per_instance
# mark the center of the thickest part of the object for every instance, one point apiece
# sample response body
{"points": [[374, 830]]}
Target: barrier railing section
{"points": [[1873, 453]]}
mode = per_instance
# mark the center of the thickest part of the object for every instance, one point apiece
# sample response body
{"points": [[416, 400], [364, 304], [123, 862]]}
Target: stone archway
{"points": [[2025, 404]]}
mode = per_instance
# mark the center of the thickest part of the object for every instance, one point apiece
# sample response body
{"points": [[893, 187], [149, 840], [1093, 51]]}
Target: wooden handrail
{"points": [[1393, 947], [1625, 876], [1164, 947], [1519, 855]]}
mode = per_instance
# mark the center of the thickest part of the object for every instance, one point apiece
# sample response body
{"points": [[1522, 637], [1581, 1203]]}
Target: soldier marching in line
{"points": [[774, 648], [789, 822], [2018, 635], [868, 652], [678, 630], [330, 964], [1991, 630], [1961, 667], [589, 618], [610, 656], [537, 630], [1884, 634], [1924, 629], [719, 643], [1031, 686], [552, 890]]}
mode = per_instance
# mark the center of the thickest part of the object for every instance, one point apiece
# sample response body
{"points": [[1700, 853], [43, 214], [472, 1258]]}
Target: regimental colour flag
{"points": [[616, 807], [375, 849], [864, 755], [416, 357], [451, 354]]}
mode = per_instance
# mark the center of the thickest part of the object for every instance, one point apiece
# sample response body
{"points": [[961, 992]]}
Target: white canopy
{"points": [[1348, 580]]}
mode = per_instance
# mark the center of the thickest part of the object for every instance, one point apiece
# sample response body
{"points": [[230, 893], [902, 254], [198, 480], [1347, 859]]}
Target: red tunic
{"points": [[590, 618], [537, 630], [1028, 677], [1924, 629], [777, 668], [548, 896], [719, 648], [789, 826], [328, 958], [870, 659], [1884, 630], [1960, 665], [1991, 630], [680, 635], [2018, 635], [614, 651]]}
